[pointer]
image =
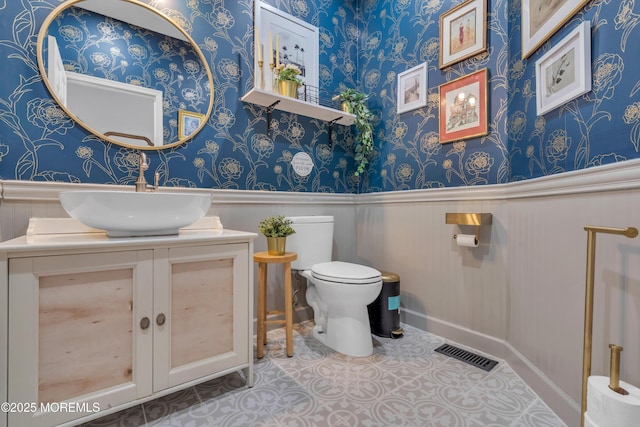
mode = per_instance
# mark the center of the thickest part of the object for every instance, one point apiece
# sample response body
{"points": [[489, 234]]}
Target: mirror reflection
{"points": [[125, 72]]}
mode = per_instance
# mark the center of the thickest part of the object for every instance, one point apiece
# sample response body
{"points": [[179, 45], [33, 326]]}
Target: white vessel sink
{"points": [[127, 213]]}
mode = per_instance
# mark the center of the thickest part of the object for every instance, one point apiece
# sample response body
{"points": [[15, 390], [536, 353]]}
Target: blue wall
{"points": [[363, 43], [603, 126], [401, 35], [38, 142]]}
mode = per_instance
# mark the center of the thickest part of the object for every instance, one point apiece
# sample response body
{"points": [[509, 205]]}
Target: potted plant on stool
{"points": [[276, 230]]}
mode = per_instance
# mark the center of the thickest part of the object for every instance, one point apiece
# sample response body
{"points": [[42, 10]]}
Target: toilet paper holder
{"points": [[614, 370], [473, 219], [630, 232]]}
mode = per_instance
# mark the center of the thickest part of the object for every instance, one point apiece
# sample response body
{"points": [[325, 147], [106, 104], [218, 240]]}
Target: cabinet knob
{"points": [[145, 322], [160, 319]]}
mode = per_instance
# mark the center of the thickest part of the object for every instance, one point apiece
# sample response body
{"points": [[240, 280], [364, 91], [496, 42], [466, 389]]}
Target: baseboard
{"points": [[560, 402]]}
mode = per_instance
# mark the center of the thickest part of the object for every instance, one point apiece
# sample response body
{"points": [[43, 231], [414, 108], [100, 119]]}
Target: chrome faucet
{"points": [[141, 183]]}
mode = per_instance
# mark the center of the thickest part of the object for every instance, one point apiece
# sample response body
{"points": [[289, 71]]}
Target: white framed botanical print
{"points": [[564, 72]]}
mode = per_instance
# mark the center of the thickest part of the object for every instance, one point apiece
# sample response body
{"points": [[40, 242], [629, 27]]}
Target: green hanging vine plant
{"points": [[356, 104]]}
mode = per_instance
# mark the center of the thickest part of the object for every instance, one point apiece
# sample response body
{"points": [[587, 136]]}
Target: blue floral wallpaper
{"points": [[103, 47], [599, 127], [39, 143], [398, 35], [363, 44]]}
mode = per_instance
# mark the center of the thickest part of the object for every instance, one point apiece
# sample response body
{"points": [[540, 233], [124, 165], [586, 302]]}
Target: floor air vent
{"points": [[467, 357]]}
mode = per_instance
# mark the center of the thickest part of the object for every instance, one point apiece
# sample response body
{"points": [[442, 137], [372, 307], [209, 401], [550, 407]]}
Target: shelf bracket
{"points": [[331, 123], [270, 109]]}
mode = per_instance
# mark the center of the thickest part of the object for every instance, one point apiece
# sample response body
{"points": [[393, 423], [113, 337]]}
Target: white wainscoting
{"points": [[518, 296]]}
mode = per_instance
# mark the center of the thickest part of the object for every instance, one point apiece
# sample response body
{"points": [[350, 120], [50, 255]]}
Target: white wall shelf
{"points": [[291, 105]]}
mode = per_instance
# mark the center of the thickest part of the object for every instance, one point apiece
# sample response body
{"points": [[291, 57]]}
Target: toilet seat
{"points": [[345, 273]]}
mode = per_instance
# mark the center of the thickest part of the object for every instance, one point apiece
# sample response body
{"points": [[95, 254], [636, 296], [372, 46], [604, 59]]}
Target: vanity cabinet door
{"points": [[77, 333], [201, 321]]}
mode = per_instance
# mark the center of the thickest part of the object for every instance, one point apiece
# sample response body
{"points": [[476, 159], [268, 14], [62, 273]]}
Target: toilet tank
{"points": [[312, 241]]}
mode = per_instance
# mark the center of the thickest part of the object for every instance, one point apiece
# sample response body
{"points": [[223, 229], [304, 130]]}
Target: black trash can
{"points": [[384, 312]]}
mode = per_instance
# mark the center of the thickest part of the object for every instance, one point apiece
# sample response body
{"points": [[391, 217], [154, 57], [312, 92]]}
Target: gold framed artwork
{"points": [[463, 107], [542, 18], [463, 32], [564, 72], [188, 123]]}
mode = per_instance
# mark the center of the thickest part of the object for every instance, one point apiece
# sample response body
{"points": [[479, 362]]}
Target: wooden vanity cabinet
{"points": [[112, 325], [204, 296], [74, 332]]}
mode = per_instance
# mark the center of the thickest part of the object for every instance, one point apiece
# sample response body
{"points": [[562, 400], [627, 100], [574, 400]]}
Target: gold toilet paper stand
{"points": [[630, 232]]}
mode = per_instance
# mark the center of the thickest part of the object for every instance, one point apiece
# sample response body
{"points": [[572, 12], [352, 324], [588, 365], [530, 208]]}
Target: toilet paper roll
{"points": [[468, 240], [588, 422], [608, 408]]}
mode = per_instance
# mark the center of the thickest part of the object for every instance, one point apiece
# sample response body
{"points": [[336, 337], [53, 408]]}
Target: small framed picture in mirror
{"points": [[188, 123]]}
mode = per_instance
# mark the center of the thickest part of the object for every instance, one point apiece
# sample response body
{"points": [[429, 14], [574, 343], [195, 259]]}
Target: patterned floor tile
{"points": [[407, 409], [175, 410], [232, 383], [404, 384], [539, 415], [132, 417]]}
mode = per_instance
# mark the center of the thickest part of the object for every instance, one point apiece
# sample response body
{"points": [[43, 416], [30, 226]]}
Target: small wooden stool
{"points": [[263, 258]]}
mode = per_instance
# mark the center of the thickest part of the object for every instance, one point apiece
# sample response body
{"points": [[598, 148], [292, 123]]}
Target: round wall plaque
{"points": [[302, 163]]}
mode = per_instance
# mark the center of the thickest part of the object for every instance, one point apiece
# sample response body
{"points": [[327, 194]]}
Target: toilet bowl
{"points": [[338, 292]]}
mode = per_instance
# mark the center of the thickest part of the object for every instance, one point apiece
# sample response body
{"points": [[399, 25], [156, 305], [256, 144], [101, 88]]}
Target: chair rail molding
{"points": [[616, 176]]}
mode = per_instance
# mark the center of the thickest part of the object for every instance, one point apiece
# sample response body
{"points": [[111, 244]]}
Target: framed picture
{"points": [[188, 123], [412, 88], [542, 18], [285, 39], [463, 32], [564, 73], [463, 107]]}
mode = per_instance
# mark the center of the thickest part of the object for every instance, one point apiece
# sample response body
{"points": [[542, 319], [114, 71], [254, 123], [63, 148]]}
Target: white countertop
{"points": [[81, 237]]}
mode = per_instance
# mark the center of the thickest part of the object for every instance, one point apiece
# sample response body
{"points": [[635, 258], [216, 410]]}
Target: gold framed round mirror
{"points": [[125, 72]]}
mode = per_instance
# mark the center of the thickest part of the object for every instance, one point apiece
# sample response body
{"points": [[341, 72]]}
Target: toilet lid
{"points": [[345, 272]]}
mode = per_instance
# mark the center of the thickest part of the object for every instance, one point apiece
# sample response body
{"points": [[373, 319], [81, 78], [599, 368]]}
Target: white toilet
{"points": [[338, 292]]}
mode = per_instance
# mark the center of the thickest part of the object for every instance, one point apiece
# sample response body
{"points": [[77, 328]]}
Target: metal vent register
{"points": [[467, 357]]}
